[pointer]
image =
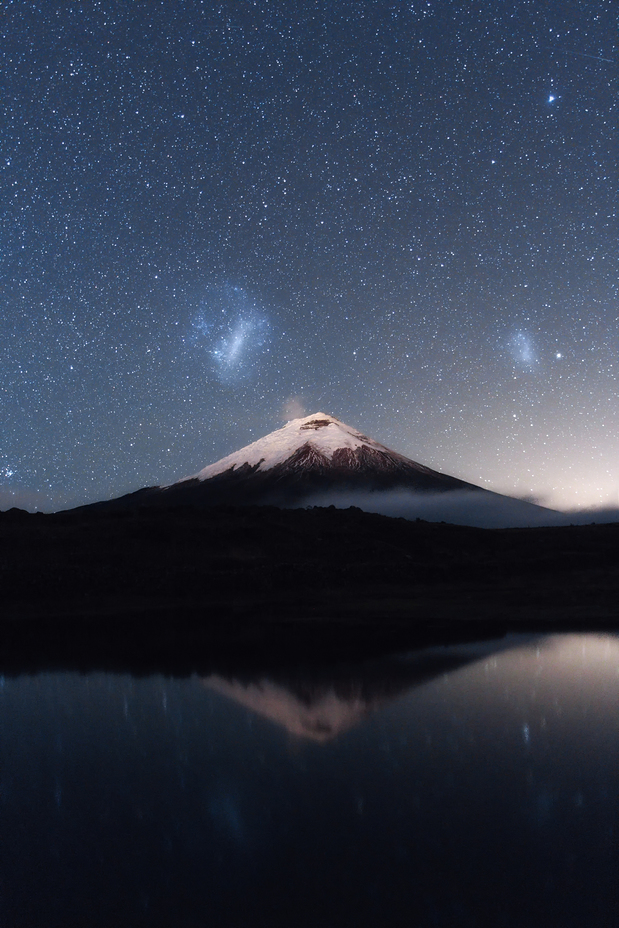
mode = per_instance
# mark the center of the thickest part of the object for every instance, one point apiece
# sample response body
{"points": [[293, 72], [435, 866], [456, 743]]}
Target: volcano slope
{"points": [[160, 585]]}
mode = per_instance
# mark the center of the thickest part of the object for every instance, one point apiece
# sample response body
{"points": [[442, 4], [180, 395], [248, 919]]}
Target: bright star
{"points": [[551, 98]]}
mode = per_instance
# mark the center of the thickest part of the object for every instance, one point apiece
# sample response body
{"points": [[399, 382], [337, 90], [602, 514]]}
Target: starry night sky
{"points": [[216, 216]]}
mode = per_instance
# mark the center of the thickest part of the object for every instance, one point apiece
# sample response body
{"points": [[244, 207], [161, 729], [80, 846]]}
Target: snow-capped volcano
{"points": [[317, 453], [318, 460]]}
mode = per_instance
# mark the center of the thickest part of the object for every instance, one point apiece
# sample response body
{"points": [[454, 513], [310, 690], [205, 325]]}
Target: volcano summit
{"points": [[211, 561]]}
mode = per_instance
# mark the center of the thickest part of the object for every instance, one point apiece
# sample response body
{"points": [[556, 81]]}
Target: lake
{"points": [[464, 786]]}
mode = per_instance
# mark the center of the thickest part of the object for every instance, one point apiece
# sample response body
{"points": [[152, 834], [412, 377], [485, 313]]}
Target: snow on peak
{"points": [[322, 432]]}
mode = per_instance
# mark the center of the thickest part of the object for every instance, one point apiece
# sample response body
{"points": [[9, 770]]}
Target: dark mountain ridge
{"points": [[158, 588]]}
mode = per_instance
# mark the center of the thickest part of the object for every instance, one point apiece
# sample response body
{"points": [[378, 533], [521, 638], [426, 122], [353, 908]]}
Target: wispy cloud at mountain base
{"points": [[460, 507]]}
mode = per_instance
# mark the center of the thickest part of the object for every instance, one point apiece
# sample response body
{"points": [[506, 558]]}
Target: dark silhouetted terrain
{"points": [[155, 582]]}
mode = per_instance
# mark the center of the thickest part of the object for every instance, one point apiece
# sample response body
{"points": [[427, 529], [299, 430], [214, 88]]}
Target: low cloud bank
{"points": [[461, 507]]}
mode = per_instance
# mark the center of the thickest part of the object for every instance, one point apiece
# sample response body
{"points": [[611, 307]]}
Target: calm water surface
{"points": [[468, 786]]}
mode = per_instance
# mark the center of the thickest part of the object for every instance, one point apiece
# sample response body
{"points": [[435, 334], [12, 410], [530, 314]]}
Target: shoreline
{"points": [[164, 645]]}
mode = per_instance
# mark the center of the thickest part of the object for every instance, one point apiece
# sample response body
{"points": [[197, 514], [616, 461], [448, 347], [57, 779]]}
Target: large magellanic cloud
{"points": [[232, 331]]}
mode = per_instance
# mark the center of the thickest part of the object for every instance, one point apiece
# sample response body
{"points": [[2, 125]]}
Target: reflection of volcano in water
{"points": [[321, 717], [322, 703]]}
